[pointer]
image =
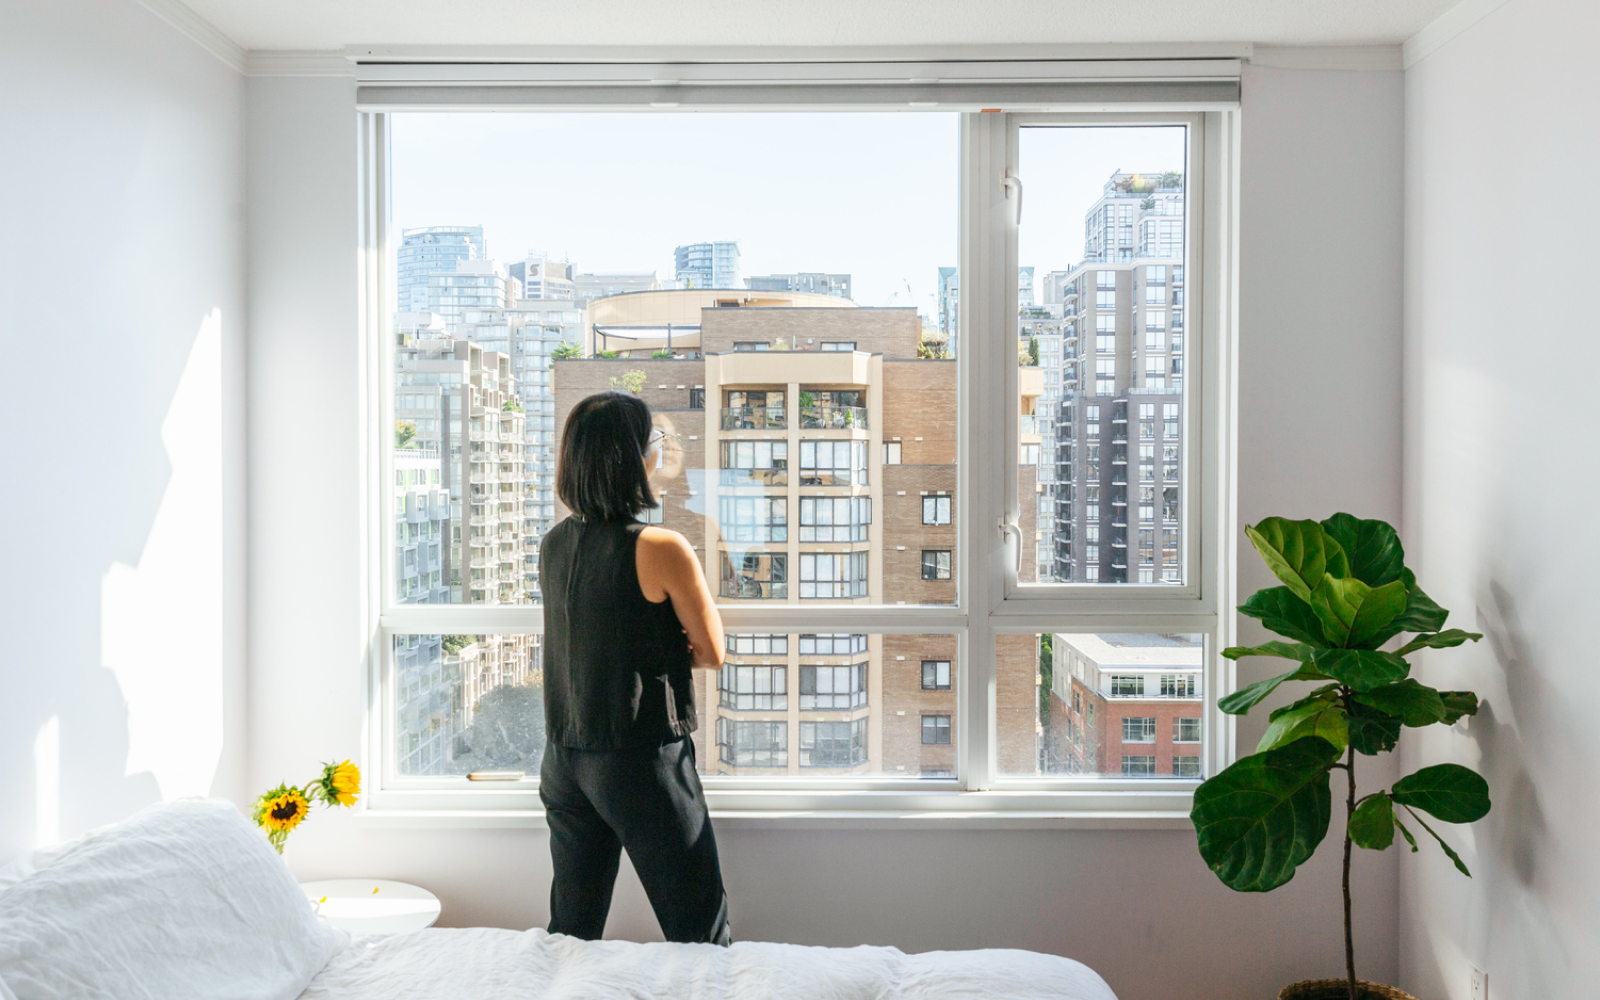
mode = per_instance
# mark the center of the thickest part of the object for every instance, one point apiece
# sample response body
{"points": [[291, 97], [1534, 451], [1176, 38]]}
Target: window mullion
{"points": [[987, 254]]}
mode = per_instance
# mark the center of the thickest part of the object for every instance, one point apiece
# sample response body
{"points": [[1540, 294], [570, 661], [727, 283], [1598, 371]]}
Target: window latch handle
{"points": [[1011, 181], [1009, 526]]}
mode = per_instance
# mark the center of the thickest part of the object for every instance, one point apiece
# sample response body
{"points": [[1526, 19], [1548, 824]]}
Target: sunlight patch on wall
{"points": [[161, 621]]}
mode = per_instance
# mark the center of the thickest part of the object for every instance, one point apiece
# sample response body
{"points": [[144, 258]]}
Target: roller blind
{"points": [[1021, 85]]}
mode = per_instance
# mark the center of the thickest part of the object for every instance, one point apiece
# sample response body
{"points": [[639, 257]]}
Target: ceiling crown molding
{"points": [[200, 31], [1445, 27], [287, 62]]}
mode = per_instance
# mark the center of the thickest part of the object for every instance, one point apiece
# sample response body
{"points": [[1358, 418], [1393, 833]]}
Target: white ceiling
{"points": [[333, 24]]}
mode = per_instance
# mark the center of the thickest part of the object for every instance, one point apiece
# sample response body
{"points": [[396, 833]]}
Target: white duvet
{"points": [[484, 963]]}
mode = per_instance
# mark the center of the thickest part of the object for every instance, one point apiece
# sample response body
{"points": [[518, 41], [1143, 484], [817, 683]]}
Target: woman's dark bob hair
{"points": [[600, 475]]}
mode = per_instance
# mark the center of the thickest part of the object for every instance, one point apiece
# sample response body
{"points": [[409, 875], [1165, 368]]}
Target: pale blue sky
{"points": [[873, 195]]}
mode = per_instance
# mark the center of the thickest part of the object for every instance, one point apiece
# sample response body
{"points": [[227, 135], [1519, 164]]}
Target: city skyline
{"points": [[801, 205]]}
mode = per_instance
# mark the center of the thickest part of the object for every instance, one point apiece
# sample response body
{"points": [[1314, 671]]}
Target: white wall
{"points": [[1319, 406], [121, 273], [1501, 221]]}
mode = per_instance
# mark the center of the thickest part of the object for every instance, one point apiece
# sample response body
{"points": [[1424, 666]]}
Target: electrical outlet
{"points": [[1480, 984]]}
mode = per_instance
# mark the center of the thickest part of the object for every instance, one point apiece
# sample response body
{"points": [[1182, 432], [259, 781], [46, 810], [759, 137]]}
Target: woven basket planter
{"points": [[1339, 989]]}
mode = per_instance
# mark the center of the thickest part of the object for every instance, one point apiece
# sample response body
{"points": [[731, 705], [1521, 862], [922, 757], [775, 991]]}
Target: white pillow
{"points": [[182, 900]]}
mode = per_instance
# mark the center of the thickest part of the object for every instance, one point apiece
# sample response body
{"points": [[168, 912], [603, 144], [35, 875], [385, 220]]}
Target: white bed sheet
{"points": [[483, 963]]}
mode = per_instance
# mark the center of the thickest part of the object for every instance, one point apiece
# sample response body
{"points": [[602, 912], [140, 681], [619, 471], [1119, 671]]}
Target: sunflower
{"points": [[339, 784], [279, 811]]}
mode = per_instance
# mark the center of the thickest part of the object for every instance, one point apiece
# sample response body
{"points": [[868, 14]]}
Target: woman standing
{"points": [[628, 618]]}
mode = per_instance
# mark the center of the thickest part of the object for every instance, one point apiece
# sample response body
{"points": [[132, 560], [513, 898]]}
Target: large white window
{"points": [[940, 651]]}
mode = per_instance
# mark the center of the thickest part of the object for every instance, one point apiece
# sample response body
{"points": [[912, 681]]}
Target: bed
{"points": [[187, 900]]}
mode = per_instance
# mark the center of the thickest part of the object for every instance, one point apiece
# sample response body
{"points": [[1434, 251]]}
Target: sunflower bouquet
{"points": [[281, 809]]}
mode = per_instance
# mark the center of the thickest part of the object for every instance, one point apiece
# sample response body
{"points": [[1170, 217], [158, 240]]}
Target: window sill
{"points": [[1164, 809]]}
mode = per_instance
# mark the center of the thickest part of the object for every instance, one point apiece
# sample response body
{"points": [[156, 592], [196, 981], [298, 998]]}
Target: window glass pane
{"points": [[1089, 704], [800, 362], [1101, 351], [834, 704], [467, 703]]}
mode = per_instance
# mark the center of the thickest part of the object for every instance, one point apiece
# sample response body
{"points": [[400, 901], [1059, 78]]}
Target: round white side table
{"points": [[374, 905]]}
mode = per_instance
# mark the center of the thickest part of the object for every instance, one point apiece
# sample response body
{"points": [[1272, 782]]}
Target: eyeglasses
{"points": [[657, 436]]}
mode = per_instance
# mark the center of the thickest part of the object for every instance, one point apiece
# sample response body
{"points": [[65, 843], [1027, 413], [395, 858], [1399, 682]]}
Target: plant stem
{"points": [[1350, 808]]}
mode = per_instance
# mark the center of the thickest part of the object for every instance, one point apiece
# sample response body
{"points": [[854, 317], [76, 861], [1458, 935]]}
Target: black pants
{"points": [[647, 800]]}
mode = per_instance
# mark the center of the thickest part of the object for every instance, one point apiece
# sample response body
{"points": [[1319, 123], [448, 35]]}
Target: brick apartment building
{"points": [[1128, 704], [811, 458]]}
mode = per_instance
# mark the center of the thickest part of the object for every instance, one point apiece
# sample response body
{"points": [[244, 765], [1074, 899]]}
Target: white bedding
{"points": [[484, 963]]}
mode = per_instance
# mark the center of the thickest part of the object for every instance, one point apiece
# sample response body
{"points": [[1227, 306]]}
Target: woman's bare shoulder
{"points": [[665, 547]]}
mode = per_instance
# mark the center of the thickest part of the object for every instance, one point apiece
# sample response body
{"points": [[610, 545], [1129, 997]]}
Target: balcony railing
{"points": [[1029, 424], [833, 417], [754, 418]]}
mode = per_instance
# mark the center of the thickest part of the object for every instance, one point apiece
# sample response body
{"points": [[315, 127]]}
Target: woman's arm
{"points": [[667, 568]]}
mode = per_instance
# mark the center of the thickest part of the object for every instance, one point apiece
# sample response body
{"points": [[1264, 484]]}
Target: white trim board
{"points": [[1348, 58], [715, 54], [1446, 27], [202, 32], [290, 62]]}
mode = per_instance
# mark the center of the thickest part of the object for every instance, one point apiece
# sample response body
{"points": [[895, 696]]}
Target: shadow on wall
{"points": [[87, 744], [1518, 857]]}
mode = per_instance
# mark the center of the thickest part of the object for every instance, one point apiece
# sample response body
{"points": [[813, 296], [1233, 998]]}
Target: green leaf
{"points": [[1318, 715], [1406, 833], [1421, 613], [1372, 547], [1438, 640], [1460, 865], [1285, 650], [1352, 613], [1362, 669], [1244, 699], [1372, 824], [1457, 704], [1263, 816], [1382, 606], [1371, 731], [1451, 792], [1296, 551], [1416, 704], [1280, 610]]}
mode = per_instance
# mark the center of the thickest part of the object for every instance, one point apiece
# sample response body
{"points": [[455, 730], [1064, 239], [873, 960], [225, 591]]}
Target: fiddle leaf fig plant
{"points": [[1345, 594]]}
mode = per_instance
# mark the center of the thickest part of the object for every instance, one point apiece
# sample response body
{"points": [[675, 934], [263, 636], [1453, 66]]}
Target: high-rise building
{"points": [[528, 335], [1138, 215], [473, 285], [463, 402], [1128, 703], [815, 282], [708, 265], [1054, 286], [811, 458], [949, 305], [433, 250], [1025, 296], [543, 276], [600, 284], [1119, 431]]}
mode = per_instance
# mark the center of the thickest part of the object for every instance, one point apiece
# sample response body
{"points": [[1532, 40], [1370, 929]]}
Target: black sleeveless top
{"points": [[616, 666]]}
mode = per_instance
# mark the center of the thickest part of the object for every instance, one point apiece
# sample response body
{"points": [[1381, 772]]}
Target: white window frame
{"points": [[1200, 94]]}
